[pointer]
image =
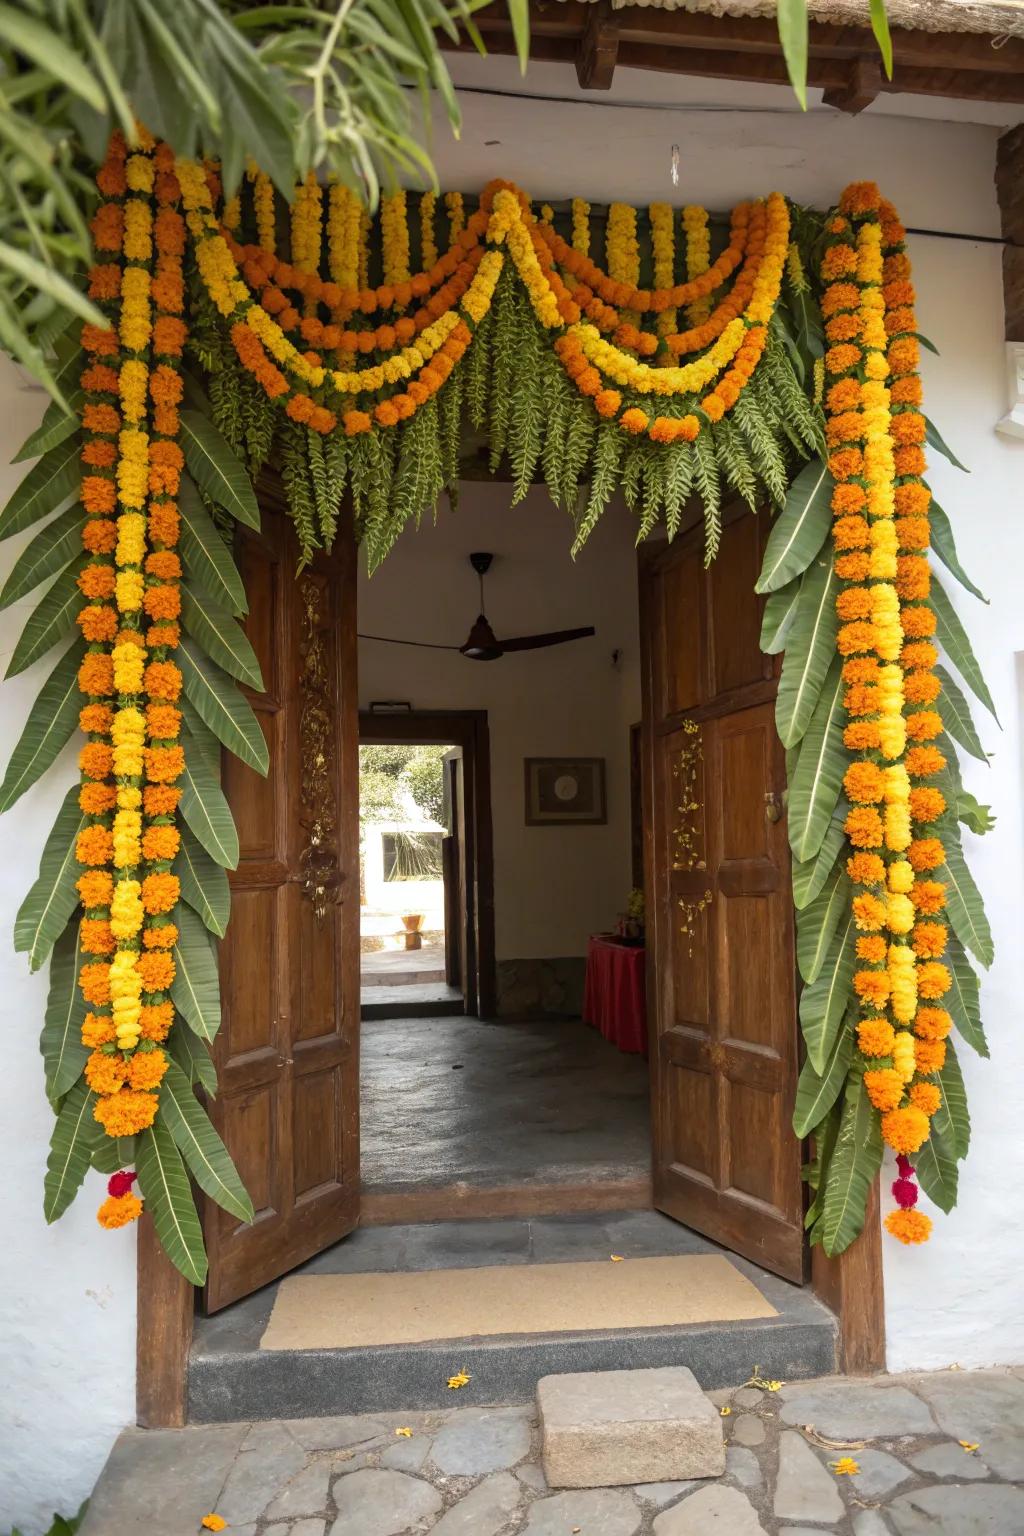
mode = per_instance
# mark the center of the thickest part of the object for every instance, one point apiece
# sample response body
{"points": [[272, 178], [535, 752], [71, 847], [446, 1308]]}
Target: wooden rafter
{"points": [[842, 60]]}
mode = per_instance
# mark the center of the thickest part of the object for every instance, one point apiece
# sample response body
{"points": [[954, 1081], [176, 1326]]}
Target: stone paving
{"points": [[935, 1455]]}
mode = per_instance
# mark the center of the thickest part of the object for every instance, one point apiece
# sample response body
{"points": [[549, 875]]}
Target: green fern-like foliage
{"points": [[478, 371], [511, 317], [708, 482], [607, 456], [734, 460], [293, 450]]}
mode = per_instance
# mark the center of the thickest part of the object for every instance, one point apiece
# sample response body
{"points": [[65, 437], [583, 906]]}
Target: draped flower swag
{"points": [[781, 367]]}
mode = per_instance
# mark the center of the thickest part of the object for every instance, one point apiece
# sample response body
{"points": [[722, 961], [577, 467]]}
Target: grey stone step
{"points": [[231, 1378]]}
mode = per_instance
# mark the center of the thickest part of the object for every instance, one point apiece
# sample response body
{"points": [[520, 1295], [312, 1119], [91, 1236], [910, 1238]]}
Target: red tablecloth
{"points": [[614, 994]]}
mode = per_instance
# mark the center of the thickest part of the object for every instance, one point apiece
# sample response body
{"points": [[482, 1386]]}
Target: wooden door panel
{"points": [[721, 974], [287, 1053]]}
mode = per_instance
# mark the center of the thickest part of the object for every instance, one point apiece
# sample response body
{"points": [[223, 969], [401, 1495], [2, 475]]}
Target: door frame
{"points": [[467, 729], [851, 1284]]}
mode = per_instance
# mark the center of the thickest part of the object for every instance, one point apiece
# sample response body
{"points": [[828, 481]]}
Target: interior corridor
{"points": [[456, 1101]]}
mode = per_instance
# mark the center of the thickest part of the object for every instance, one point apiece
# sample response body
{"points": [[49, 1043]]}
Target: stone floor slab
{"points": [[485, 1510], [713, 1511], [870, 1522], [949, 1460], [375, 1503], [162, 1480], [602, 1429], [489, 1442], [856, 1410], [747, 1429], [989, 1509], [743, 1466], [970, 1404], [1004, 1452], [406, 1455], [879, 1473], [804, 1489], [305, 1494], [335, 1434], [596, 1511], [663, 1493]]}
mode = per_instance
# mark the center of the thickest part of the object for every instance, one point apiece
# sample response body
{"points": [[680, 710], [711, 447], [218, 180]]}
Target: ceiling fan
{"points": [[481, 643]]}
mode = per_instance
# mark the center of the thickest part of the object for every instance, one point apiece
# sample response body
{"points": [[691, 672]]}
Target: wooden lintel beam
{"points": [[964, 52], [863, 83], [598, 47]]}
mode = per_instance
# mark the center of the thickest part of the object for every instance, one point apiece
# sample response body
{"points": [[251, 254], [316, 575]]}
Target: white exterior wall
{"points": [[67, 1292], [67, 1328]]}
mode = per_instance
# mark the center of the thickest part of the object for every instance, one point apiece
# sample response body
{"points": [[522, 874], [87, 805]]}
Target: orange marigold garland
{"points": [[882, 607]]}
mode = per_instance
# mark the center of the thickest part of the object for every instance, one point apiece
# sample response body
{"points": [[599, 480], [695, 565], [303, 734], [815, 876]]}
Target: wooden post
{"points": [[163, 1335], [852, 1285], [598, 47], [1010, 193]]}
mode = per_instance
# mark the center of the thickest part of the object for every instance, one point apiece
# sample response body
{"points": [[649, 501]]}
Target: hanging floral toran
{"points": [[358, 365]]}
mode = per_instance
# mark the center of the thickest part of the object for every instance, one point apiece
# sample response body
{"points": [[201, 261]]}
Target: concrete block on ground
{"points": [[603, 1429]]}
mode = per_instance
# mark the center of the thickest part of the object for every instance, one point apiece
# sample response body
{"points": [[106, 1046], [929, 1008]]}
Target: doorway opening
{"points": [[410, 920]]}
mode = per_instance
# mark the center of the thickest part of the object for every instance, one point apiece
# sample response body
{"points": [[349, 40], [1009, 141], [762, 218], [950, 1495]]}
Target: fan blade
{"points": [[538, 642]]}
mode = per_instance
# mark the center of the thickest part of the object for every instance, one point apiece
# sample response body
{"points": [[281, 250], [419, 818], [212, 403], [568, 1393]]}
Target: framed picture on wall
{"points": [[563, 790]]}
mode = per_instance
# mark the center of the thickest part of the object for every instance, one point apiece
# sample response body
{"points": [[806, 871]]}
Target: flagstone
{"points": [[596, 1511], [305, 1494], [854, 1410], [382, 1503], [407, 1455], [747, 1429], [879, 1472], [949, 1460], [984, 1509], [662, 1493], [488, 1442], [743, 1466], [804, 1490], [713, 1511], [334, 1434], [484, 1510]]}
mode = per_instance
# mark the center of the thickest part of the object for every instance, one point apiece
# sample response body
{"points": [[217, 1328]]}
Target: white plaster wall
{"points": [[67, 1295], [552, 885], [67, 1292]]}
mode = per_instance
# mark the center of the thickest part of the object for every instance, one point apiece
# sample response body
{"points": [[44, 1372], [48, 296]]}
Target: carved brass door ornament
{"points": [[321, 875]]}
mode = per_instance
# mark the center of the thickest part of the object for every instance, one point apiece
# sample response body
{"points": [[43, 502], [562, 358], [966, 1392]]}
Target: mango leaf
{"points": [[816, 924], [205, 740], [956, 716], [164, 1186], [809, 877], [779, 613], [973, 814], [944, 546], [855, 1162], [952, 636], [197, 1141], [818, 777], [823, 1004], [106, 1158], [74, 1135], [883, 37], [49, 728], [800, 529], [50, 551], [220, 705], [222, 637], [57, 424], [193, 1057], [936, 1166], [934, 438], [205, 807], [964, 905], [46, 489], [52, 620], [816, 1171], [810, 648], [951, 1116], [207, 559], [204, 885], [195, 990], [816, 1092], [43, 915], [793, 31], [216, 470], [962, 999], [64, 1055]]}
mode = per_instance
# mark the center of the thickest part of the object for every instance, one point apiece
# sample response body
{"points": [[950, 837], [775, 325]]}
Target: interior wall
{"points": [[553, 885]]}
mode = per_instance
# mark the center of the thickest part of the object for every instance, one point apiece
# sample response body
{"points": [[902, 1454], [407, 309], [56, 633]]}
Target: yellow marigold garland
{"points": [[698, 258]]}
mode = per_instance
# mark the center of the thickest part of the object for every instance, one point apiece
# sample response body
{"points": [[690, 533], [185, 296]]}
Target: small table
{"points": [[614, 999]]}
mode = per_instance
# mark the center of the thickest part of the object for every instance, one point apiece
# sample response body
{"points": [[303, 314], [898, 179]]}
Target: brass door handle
{"points": [[772, 806]]}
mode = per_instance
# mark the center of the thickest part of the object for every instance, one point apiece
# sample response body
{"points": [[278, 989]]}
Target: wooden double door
{"points": [[721, 991]]}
